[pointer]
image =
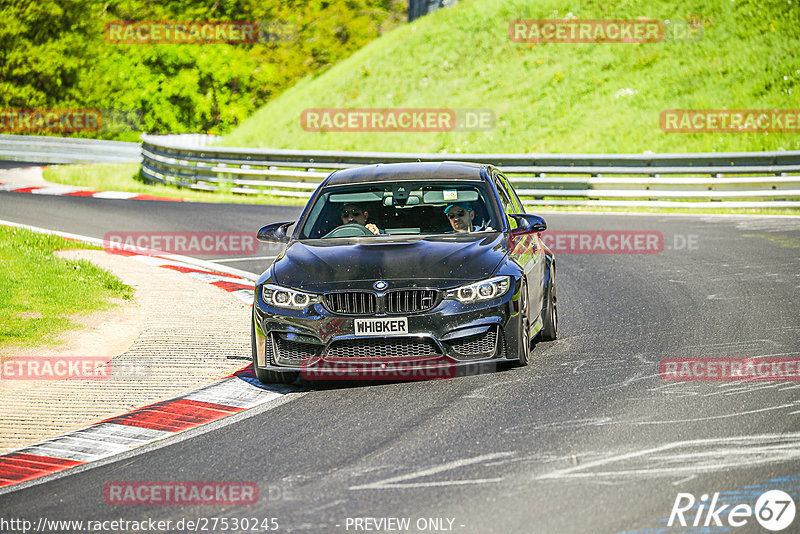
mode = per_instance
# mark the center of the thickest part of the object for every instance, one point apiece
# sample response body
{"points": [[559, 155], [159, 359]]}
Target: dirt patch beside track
{"points": [[179, 333]]}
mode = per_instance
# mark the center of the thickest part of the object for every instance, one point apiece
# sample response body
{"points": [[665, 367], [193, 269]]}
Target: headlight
{"points": [[485, 290], [283, 297]]}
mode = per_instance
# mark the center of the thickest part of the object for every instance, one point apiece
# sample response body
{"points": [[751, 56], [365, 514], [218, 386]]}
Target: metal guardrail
{"points": [[45, 149], [741, 179], [736, 179]]}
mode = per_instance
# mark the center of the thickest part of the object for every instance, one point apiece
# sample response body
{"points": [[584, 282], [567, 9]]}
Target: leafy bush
{"points": [[55, 55]]}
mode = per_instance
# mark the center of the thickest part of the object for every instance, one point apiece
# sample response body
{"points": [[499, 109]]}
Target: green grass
{"points": [[40, 292], [692, 211], [126, 177], [554, 97]]}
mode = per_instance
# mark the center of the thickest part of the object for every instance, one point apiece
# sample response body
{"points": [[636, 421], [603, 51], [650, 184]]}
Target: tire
{"points": [[549, 330], [524, 327], [266, 376]]}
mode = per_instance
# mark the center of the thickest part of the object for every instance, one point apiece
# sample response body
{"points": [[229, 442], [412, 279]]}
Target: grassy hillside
{"points": [[556, 97]]}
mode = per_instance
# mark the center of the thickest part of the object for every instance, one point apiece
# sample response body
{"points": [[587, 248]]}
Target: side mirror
{"points": [[528, 223], [275, 232]]}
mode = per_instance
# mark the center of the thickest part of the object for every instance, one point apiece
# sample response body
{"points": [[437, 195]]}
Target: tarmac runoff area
{"points": [[180, 333]]}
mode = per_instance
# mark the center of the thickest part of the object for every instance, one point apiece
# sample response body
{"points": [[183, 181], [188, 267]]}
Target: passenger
{"points": [[352, 214], [461, 216]]}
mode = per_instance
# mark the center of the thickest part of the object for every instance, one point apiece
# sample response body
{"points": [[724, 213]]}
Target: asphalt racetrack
{"points": [[588, 438]]}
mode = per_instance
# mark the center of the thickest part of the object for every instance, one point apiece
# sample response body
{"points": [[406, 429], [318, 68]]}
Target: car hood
{"points": [[321, 264]]}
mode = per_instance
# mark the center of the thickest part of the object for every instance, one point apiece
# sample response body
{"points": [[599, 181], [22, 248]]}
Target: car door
{"points": [[528, 251]]}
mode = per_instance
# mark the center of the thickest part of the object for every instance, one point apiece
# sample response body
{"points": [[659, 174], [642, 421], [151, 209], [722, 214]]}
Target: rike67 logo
{"points": [[774, 510]]}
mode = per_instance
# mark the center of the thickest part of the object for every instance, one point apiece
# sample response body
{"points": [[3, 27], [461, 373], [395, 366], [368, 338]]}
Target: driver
{"points": [[352, 214], [461, 215]]}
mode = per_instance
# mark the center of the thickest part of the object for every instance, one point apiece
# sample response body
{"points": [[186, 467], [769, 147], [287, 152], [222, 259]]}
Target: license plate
{"points": [[381, 327]]}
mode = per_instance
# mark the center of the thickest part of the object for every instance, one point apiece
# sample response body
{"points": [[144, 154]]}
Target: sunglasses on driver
{"points": [[456, 214]]}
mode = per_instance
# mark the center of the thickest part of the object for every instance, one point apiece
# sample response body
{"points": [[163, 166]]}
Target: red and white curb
{"points": [[68, 191], [239, 392], [143, 426]]}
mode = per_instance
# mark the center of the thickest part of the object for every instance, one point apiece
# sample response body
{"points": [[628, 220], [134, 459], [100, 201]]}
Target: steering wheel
{"points": [[349, 230]]}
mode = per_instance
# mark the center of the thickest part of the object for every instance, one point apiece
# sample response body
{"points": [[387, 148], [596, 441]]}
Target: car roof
{"points": [[393, 172]]}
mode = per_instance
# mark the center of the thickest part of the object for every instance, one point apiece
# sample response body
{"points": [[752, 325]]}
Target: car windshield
{"points": [[400, 208]]}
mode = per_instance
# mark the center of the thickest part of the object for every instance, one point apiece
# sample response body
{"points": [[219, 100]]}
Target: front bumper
{"points": [[446, 339]]}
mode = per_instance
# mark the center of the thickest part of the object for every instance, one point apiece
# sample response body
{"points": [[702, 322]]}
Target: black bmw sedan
{"points": [[404, 271]]}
